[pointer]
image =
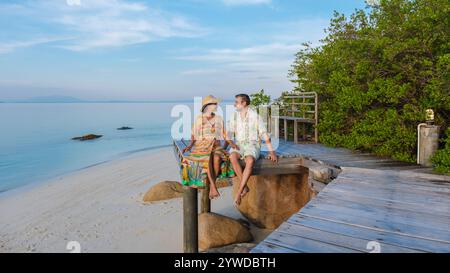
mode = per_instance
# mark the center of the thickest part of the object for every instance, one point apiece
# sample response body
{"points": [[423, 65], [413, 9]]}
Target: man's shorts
{"points": [[247, 149]]}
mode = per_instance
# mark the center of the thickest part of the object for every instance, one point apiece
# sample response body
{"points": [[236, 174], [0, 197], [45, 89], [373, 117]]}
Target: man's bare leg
{"points": [[234, 158], [249, 162]]}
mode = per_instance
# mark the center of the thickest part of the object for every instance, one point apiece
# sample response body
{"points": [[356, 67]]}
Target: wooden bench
{"points": [[300, 108], [288, 163]]}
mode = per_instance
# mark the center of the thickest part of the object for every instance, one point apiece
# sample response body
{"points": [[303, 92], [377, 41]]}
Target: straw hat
{"points": [[209, 100]]}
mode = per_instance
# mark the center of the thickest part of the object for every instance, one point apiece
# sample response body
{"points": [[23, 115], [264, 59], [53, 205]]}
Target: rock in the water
{"points": [[272, 199], [163, 191], [124, 128], [87, 137], [216, 231]]}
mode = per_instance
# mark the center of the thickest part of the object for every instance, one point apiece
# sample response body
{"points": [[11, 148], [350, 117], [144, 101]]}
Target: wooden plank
{"points": [[380, 221], [301, 244], [347, 241], [300, 97], [266, 247], [370, 234], [438, 209], [299, 119], [304, 103], [283, 166], [419, 206], [398, 195], [400, 178], [380, 165], [380, 210], [381, 203], [398, 183]]}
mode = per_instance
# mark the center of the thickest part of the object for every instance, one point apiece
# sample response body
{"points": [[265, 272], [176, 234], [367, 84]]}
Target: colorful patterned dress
{"points": [[195, 165]]}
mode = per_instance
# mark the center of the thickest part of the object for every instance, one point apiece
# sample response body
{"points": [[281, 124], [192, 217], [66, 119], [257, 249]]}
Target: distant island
{"points": [[68, 99], [49, 99]]}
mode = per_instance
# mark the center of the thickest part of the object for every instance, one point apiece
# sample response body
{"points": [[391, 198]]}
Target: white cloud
{"points": [[246, 2], [245, 54], [199, 72], [11, 46], [269, 62], [108, 23], [270, 58]]}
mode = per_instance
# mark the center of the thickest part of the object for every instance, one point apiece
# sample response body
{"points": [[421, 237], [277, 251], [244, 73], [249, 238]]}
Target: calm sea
{"points": [[36, 145]]}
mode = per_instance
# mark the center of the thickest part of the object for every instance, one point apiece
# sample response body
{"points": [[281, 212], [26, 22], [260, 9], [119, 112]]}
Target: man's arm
{"points": [[266, 137], [228, 132], [272, 154]]}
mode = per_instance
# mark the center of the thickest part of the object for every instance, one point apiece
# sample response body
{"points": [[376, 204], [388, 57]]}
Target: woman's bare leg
{"points": [[213, 192], [234, 158]]}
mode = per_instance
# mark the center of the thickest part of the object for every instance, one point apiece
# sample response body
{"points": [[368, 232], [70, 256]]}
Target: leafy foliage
{"points": [[259, 98], [442, 157], [376, 72]]}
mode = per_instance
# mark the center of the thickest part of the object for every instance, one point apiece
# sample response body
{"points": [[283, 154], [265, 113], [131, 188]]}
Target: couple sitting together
{"points": [[209, 158]]}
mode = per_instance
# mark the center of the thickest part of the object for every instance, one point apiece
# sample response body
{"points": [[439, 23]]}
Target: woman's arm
{"points": [[227, 139], [190, 145]]}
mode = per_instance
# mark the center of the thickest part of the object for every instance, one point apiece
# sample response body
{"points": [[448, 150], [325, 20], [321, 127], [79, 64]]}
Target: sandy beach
{"points": [[101, 207]]}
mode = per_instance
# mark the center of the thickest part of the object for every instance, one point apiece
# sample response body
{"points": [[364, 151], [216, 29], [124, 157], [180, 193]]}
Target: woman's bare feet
{"points": [[237, 199], [239, 196], [245, 191], [213, 193]]}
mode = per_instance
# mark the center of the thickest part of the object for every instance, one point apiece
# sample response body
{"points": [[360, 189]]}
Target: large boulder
{"points": [[215, 230], [234, 248], [272, 199], [163, 191], [223, 183], [322, 174]]}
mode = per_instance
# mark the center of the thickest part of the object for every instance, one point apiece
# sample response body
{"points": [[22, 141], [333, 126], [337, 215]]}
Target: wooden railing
{"points": [[300, 108]]}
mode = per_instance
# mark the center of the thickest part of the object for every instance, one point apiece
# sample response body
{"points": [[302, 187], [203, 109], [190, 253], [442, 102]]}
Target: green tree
{"points": [[259, 98], [377, 72]]}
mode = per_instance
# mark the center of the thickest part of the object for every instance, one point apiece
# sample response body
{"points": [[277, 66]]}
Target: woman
{"points": [[207, 159]]}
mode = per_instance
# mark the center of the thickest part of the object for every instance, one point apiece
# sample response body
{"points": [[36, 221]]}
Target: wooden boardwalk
{"points": [[375, 204]]}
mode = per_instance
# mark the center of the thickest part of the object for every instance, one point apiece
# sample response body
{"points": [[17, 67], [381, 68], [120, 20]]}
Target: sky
{"points": [[155, 49]]}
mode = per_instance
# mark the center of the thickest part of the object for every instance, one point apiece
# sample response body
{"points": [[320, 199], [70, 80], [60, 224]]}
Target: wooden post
{"points": [[285, 130], [206, 202], [295, 132], [190, 220], [304, 116], [316, 117]]}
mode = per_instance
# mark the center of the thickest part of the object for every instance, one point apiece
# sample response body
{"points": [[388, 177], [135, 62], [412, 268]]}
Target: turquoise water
{"points": [[36, 145]]}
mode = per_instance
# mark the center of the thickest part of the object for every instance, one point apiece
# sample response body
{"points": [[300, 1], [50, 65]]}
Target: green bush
{"points": [[377, 72], [441, 159]]}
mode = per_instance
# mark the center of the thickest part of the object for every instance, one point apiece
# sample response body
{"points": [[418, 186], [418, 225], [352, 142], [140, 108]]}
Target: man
{"points": [[248, 129]]}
